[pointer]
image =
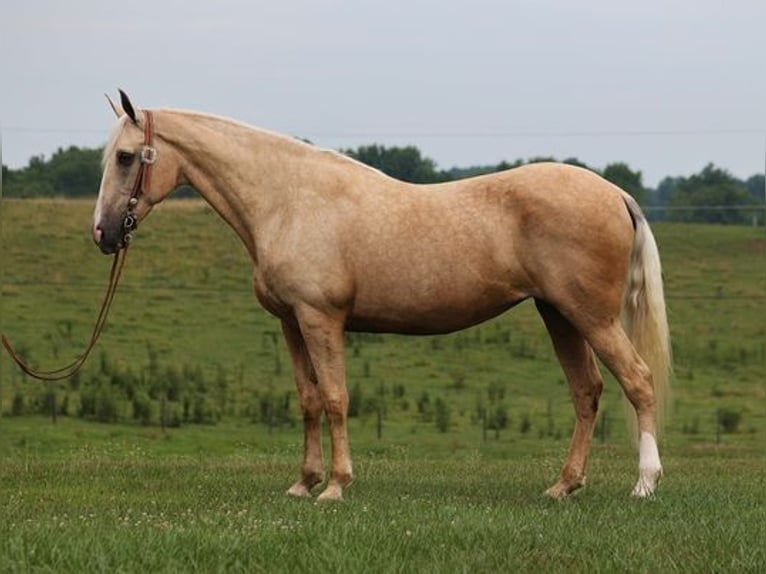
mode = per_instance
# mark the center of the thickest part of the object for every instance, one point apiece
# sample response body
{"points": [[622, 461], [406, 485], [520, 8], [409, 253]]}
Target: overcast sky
{"points": [[666, 86]]}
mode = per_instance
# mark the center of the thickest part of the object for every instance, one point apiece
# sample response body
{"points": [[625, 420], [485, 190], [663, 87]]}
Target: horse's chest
{"points": [[283, 284]]}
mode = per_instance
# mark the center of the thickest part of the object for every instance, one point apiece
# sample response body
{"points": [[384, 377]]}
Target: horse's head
{"points": [[139, 170]]}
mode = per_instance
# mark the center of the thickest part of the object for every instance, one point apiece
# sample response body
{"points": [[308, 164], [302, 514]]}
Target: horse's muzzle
{"points": [[108, 243]]}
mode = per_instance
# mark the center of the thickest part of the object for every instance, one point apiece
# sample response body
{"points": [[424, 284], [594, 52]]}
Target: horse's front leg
{"points": [[312, 471], [323, 334]]}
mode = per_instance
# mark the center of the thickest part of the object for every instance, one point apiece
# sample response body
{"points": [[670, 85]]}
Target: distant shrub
{"points": [[107, 407], [271, 409], [99, 403], [442, 415], [173, 414], [18, 405], [355, 401], [203, 411], [142, 408], [498, 419], [46, 402], [424, 407], [693, 427], [525, 425], [728, 420]]}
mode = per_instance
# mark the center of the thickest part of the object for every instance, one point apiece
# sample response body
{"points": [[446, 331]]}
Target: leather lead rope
{"points": [[143, 180], [67, 371]]}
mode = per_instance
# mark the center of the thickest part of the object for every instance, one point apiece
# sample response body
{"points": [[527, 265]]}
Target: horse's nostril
{"points": [[97, 234]]}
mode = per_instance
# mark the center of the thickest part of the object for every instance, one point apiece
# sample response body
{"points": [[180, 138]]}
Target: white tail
{"points": [[643, 311]]}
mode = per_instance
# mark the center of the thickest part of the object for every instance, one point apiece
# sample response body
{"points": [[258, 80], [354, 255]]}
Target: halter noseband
{"points": [[147, 158]]}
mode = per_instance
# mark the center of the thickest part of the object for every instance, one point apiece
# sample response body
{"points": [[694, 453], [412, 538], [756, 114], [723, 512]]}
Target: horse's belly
{"points": [[427, 316]]}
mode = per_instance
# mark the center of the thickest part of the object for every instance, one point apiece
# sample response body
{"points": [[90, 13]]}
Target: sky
{"points": [[665, 86]]}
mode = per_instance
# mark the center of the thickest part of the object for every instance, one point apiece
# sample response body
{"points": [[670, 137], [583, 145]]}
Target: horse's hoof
{"points": [[562, 489], [299, 490], [333, 493], [647, 483]]}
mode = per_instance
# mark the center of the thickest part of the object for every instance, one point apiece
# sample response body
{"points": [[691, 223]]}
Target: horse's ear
{"points": [[117, 110], [127, 106]]}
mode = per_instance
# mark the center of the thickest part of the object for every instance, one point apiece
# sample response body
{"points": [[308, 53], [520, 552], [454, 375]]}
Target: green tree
{"points": [[755, 187], [702, 195], [75, 172], [404, 163], [628, 180], [665, 190], [576, 162], [475, 170], [7, 174], [71, 172]]}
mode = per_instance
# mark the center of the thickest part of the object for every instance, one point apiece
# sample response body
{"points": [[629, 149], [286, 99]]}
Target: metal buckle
{"points": [[129, 223], [148, 155]]}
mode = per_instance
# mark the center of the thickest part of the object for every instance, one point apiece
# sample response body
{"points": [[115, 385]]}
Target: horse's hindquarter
{"points": [[440, 258], [577, 237]]}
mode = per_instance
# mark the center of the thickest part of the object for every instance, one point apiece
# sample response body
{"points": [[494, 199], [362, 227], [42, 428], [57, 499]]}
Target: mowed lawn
{"points": [[83, 497]]}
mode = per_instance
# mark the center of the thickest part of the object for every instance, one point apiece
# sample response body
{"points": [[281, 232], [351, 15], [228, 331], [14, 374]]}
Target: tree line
{"points": [[713, 195]]}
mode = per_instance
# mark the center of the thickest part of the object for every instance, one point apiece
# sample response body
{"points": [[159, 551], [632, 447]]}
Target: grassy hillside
{"points": [[186, 305]]}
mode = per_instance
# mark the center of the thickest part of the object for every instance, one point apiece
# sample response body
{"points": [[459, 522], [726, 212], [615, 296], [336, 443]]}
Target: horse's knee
{"points": [[310, 401], [336, 410], [335, 400]]}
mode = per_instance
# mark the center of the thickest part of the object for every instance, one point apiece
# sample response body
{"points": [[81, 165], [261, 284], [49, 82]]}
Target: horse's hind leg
{"points": [[585, 381], [614, 348], [312, 472]]}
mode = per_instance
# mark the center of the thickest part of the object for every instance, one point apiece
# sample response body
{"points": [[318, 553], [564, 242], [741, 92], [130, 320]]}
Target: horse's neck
{"points": [[241, 171]]}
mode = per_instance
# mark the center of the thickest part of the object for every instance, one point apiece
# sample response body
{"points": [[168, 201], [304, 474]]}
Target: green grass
{"points": [[186, 299], [80, 496], [84, 497]]}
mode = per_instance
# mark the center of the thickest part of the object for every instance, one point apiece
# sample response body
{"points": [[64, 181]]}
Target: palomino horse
{"points": [[339, 246]]}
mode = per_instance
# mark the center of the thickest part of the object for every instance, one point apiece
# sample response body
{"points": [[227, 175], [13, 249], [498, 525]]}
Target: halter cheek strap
{"points": [[147, 158]]}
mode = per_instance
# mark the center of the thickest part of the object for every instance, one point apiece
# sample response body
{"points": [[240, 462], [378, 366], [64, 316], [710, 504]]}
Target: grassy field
{"points": [[186, 303], [83, 496]]}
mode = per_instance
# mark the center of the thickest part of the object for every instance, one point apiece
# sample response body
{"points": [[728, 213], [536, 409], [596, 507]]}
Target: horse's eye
{"points": [[125, 158]]}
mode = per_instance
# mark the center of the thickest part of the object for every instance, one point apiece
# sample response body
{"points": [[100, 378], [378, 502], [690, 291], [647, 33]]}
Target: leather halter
{"points": [[147, 158]]}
